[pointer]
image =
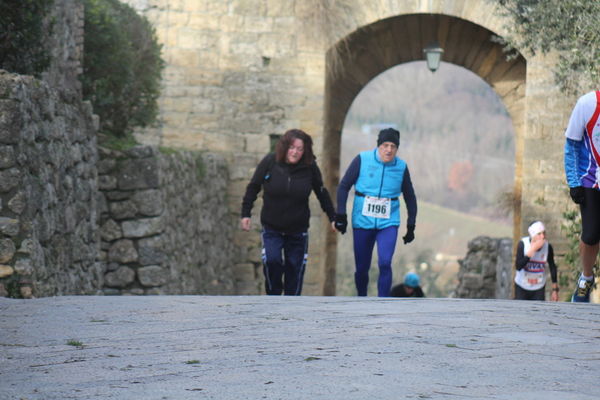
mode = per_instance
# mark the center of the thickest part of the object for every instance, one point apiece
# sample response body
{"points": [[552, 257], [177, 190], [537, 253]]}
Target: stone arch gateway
{"points": [[372, 49], [239, 71]]}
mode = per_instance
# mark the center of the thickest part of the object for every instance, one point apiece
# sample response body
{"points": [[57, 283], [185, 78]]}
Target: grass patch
{"points": [[117, 142], [193, 362], [312, 358], [75, 343], [168, 150]]}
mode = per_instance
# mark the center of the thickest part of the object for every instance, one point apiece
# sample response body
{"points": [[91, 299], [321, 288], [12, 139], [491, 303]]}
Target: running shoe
{"points": [[582, 293]]}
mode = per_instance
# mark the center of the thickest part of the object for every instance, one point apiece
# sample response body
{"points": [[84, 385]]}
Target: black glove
{"points": [[341, 222], [577, 194], [410, 234]]}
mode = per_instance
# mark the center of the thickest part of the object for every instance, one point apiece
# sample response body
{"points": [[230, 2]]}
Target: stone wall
{"points": [[48, 232], [164, 217], [65, 46], [486, 270], [164, 222]]}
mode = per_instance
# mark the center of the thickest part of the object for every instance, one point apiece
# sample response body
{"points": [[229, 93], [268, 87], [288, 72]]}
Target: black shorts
{"points": [[590, 217], [524, 294]]}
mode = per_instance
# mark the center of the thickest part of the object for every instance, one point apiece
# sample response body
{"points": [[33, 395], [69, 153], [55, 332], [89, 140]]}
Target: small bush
{"points": [[121, 66], [24, 28]]}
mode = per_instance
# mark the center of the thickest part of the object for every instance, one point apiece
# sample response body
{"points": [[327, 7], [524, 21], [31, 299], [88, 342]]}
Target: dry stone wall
{"points": [[48, 232], [485, 272], [71, 222], [164, 222]]}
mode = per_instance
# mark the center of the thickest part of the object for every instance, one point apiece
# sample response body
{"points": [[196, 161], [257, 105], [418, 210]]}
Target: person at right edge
{"points": [[582, 158], [379, 178]]}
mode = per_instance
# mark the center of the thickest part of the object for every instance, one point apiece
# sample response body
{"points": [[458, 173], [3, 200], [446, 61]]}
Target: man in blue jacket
{"points": [[379, 178]]}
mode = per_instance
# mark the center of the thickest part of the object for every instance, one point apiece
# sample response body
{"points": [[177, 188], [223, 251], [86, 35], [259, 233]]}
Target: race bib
{"points": [[533, 279], [376, 207]]}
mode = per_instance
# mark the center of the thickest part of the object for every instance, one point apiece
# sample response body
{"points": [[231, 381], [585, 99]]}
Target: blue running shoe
{"points": [[582, 292]]}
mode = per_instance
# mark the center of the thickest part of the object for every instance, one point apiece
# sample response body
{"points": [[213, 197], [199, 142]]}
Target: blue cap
{"points": [[412, 280]]}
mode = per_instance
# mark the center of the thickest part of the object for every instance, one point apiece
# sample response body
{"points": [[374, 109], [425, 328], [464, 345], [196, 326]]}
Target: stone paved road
{"points": [[259, 347]]}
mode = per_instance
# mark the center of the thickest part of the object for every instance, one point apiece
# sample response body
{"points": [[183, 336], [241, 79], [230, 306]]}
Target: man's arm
{"points": [[322, 193], [348, 180], [410, 199], [572, 148]]}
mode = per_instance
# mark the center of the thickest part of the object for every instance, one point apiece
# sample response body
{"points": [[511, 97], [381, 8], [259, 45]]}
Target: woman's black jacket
{"points": [[287, 188]]}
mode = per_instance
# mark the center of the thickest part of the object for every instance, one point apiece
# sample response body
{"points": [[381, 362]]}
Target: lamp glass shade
{"points": [[433, 55]]}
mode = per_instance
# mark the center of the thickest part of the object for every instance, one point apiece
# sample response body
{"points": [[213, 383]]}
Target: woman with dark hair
{"points": [[287, 178]]}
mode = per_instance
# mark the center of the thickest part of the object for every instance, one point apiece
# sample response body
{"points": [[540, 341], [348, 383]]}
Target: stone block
{"points": [[10, 122], [193, 39], [187, 59], [141, 151], [472, 281], [7, 250], [9, 179], [18, 203], [230, 24], [142, 227], [248, 289], [122, 209], [149, 202], [244, 272], [26, 292], [107, 182], [138, 174], [151, 251], [106, 166], [9, 226], [110, 231], [117, 195], [120, 278], [23, 267], [122, 251], [278, 8], [257, 144], [6, 270], [7, 157], [153, 275], [203, 22]]}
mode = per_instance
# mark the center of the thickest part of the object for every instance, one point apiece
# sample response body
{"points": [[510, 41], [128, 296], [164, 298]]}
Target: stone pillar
{"points": [[485, 272]]}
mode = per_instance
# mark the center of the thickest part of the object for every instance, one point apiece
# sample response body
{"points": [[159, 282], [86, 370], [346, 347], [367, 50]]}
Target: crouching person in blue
{"points": [[379, 178], [287, 176]]}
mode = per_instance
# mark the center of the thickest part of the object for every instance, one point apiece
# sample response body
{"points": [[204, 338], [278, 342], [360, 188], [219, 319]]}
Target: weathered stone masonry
{"points": [[162, 222], [134, 222], [485, 272], [48, 233]]}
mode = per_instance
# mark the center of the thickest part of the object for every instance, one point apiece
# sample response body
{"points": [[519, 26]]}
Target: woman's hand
{"points": [[554, 294], [245, 224], [536, 243]]}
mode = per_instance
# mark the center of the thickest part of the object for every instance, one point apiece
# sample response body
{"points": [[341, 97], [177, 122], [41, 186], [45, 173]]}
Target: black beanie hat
{"points": [[388, 135]]}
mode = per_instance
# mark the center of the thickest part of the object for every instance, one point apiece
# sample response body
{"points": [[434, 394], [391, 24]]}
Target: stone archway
{"points": [[374, 48], [239, 71]]}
